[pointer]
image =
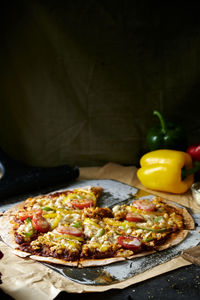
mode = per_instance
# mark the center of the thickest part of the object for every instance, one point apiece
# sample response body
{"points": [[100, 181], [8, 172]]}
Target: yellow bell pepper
{"points": [[104, 248], [68, 236], [91, 222], [114, 223], [62, 210], [50, 216], [79, 194], [72, 244], [56, 221], [162, 170]]}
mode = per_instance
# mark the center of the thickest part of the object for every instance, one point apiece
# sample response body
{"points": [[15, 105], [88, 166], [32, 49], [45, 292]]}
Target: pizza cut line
{"points": [[68, 228]]}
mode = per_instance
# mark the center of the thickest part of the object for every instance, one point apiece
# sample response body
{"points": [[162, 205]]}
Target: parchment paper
{"points": [[24, 277]]}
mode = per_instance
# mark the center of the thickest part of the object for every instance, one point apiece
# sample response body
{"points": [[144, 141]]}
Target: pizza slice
{"points": [[99, 247], [109, 240], [157, 224], [137, 230], [50, 226]]}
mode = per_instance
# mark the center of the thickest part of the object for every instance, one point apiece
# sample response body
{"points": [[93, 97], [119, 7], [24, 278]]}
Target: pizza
{"points": [[68, 227]]}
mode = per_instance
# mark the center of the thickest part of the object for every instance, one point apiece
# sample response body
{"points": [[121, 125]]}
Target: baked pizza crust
{"points": [[144, 253], [21, 253], [99, 262], [11, 211], [188, 220], [53, 260], [7, 235], [174, 239]]}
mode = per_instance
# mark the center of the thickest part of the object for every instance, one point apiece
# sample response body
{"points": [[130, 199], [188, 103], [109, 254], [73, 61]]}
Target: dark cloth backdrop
{"points": [[80, 79]]}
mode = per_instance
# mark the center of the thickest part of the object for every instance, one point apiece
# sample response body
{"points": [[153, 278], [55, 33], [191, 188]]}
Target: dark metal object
{"points": [[18, 178]]}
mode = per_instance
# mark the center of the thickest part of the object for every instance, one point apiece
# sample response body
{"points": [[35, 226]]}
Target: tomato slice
{"points": [[70, 230], [82, 203], [23, 215], [133, 217], [40, 223], [129, 242], [144, 204]]}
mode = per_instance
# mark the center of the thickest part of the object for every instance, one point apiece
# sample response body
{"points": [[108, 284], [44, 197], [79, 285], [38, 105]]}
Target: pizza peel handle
{"points": [[192, 255]]}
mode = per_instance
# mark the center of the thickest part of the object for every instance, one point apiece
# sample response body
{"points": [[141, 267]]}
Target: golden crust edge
{"points": [[14, 209], [99, 262], [174, 240], [141, 254], [53, 260], [21, 253]]}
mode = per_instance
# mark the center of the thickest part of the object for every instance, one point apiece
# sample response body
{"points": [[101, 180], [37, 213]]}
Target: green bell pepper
{"points": [[76, 224], [29, 224], [166, 135], [100, 232], [47, 208]]}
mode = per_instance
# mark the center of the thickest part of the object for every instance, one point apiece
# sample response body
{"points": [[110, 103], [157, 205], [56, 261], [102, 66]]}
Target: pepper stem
{"points": [[186, 172], [162, 122]]}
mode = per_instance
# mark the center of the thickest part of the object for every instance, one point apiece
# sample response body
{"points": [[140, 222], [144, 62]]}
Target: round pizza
{"points": [[67, 227]]}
